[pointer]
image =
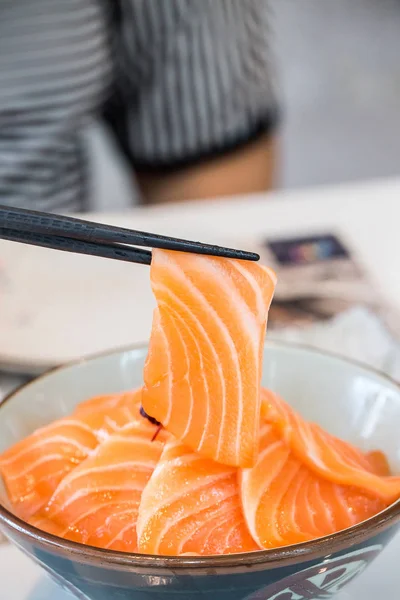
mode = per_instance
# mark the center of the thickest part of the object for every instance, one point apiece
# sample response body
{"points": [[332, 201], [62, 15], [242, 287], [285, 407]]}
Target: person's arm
{"points": [[197, 113], [247, 169]]}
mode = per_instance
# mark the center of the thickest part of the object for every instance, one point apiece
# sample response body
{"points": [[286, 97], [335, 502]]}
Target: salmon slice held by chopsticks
{"points": [[32, 468], [203, 370], [191, 506]]}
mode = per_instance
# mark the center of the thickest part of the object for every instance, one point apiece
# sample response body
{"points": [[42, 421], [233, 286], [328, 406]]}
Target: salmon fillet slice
{"points": [[97, 503], [329, 457], [285, 502], [33, 468], [203, 370], [191, 506], [108, 402]]}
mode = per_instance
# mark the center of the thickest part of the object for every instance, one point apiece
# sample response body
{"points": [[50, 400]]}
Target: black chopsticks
{"points": [[56, 242], [85, 237]]}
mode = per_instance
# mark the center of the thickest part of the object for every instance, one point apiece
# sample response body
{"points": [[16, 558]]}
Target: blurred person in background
{"points": [[185, 86]]}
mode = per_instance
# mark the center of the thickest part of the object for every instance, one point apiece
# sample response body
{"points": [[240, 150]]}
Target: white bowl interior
{"points": [[348, 400]]}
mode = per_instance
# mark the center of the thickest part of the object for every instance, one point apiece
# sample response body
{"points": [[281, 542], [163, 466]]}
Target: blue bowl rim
{"points": [[268, 559]]}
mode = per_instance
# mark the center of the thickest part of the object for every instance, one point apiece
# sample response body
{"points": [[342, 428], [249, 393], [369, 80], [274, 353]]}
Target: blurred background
{"points": [[339, 69], [338, 72]]}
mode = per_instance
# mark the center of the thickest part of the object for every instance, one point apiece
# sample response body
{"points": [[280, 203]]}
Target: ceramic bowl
{"points": [[347, 399]]}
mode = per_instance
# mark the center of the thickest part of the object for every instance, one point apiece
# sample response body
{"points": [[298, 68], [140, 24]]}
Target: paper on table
{"points": [[319, 278], [357, 334]]}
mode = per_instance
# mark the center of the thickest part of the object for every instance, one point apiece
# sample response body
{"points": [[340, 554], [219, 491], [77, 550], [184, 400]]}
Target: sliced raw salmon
{"points": [[33, 468], [42, 522], [97, 503], [330, 457], [105, 403], [378, 463], [285, 502], [202, 375], [191, 506]]}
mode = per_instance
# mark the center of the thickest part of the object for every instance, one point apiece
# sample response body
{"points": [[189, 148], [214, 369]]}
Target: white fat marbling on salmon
{"points": [[207, 339], [98, 502], [220, 306], [230, 344], [191, 504]]}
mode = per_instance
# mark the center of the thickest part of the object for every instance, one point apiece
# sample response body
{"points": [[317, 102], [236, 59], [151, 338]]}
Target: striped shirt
{"points": [[178, 81]]}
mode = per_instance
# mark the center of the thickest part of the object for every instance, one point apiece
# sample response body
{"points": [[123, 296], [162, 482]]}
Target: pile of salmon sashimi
{"points": [[200, 460]]}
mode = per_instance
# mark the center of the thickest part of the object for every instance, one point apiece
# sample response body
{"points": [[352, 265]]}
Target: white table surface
{"points": [[367, 216]]}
